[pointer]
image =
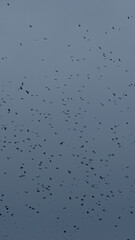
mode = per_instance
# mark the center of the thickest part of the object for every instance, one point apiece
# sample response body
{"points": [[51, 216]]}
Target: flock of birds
{"points": [[66, 171]]}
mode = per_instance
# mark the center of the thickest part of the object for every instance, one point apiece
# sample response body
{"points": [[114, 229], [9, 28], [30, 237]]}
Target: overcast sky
{"points": [[67, 113]]}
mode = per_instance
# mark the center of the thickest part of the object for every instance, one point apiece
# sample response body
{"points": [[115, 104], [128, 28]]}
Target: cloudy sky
{"points": [[67, 132]]}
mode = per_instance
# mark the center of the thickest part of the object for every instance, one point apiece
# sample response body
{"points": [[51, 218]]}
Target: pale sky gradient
{"points": [[67, 113]]}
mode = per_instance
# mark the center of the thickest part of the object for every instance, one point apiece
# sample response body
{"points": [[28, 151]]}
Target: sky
{"points": [[67, 132]]}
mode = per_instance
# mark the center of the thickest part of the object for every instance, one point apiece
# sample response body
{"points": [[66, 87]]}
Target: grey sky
{"points": [[67, 120]]}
